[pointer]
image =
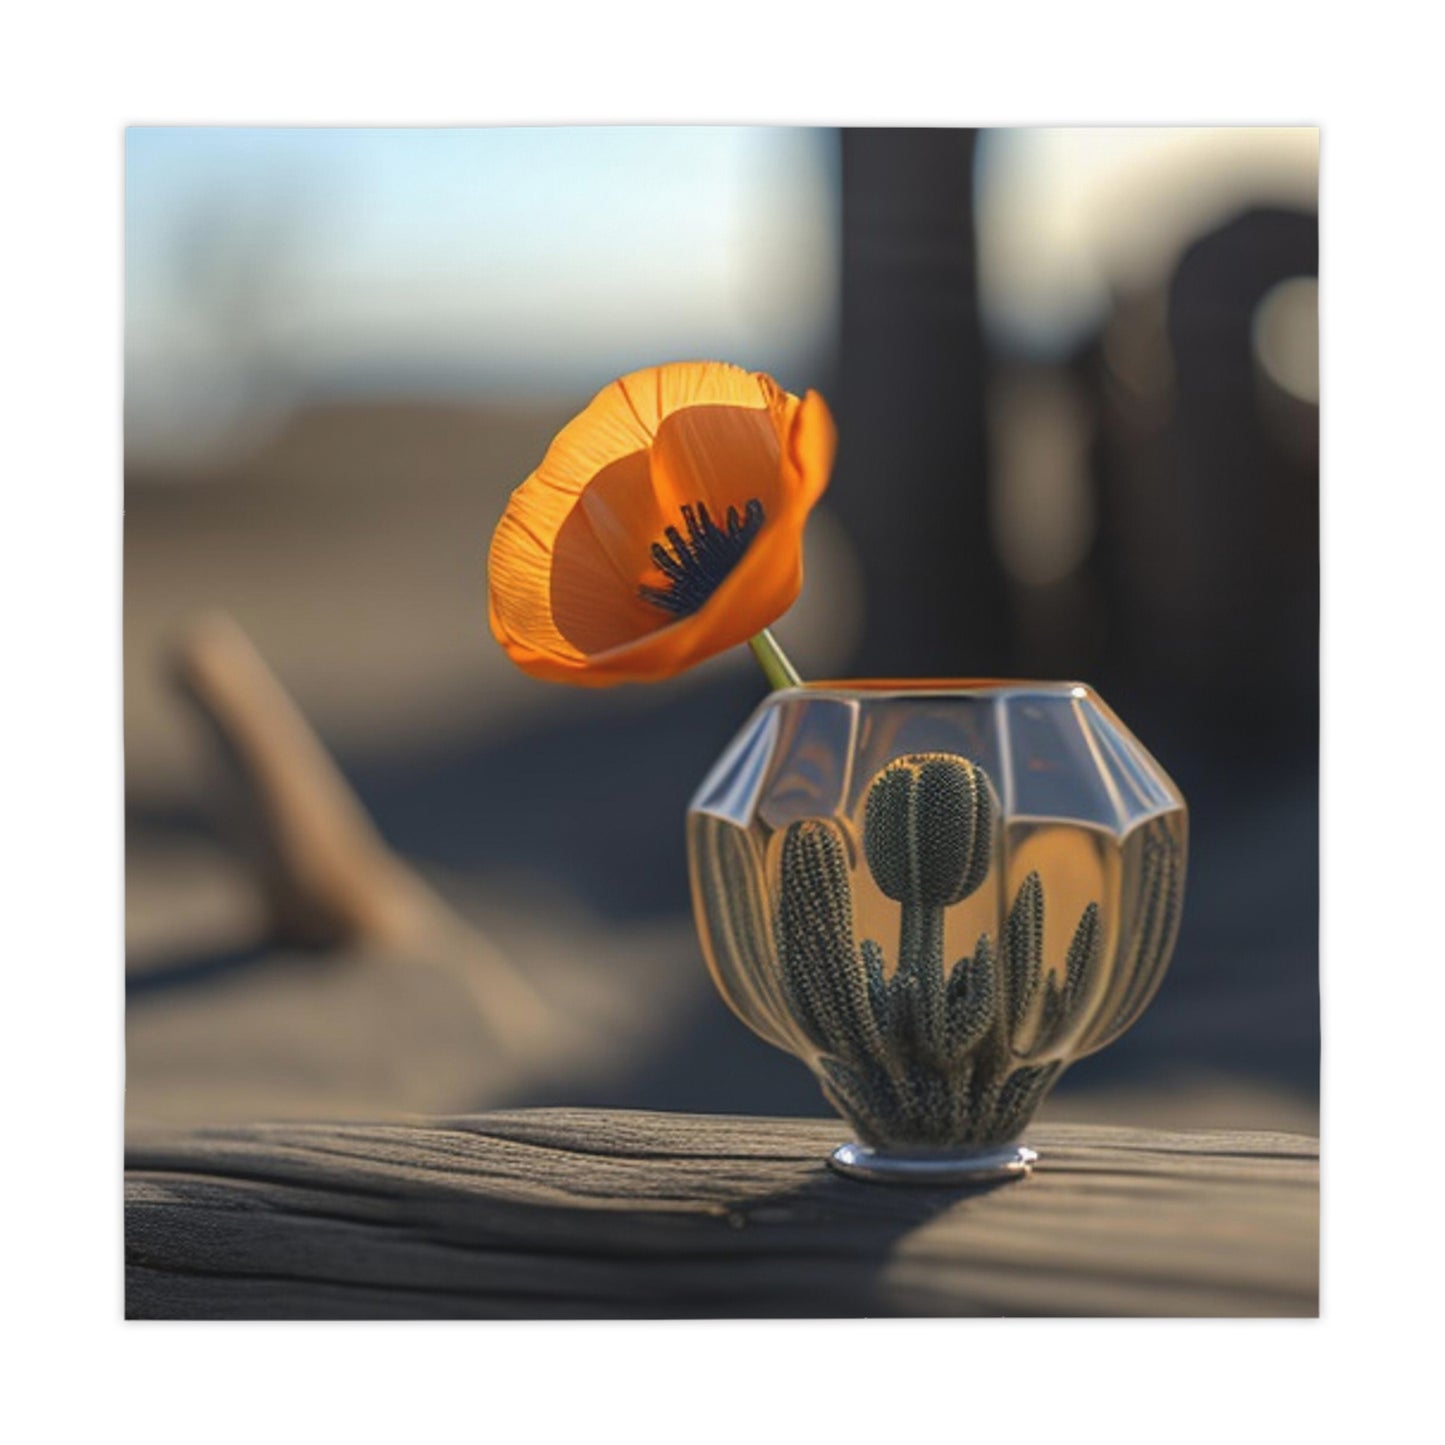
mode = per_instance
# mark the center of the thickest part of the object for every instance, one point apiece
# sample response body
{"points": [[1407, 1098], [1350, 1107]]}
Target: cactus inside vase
{"points": [[937, 943], [928, 1056]]}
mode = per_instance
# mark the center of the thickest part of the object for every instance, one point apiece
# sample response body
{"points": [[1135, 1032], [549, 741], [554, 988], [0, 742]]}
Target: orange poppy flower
{"points": [[664, 524]]}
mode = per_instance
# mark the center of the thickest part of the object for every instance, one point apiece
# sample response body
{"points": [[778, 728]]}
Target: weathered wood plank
{"points": [[564, 1213]]}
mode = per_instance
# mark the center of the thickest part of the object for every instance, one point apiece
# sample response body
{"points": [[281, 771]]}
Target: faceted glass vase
{"points": [[937, 895]]}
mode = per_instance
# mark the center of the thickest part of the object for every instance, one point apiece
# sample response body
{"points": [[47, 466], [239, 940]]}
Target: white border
{"points": [[78, 75]]}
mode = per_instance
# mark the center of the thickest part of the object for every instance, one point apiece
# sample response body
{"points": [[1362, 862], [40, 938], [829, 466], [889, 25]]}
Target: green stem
{"points": [[774, 661]]}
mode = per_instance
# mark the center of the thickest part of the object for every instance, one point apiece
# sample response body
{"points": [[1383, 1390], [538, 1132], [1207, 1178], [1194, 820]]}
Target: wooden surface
{"points": [[571, 1213]]}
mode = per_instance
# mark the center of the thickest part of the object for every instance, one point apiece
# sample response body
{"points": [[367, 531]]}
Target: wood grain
{"points": [[570, 1213]]}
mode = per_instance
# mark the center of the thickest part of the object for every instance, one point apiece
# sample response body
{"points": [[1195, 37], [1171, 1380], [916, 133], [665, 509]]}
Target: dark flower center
{"points": [[696, 565]]}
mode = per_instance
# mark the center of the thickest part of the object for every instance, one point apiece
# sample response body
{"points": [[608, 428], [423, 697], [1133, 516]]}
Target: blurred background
{"points": [[1075, 374]]}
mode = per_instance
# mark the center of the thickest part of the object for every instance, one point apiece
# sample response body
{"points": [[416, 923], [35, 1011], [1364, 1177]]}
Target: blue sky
{"points": [[263, 265], [510, 260]]}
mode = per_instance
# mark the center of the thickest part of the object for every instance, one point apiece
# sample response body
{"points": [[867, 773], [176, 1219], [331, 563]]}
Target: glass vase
{"points": [[938, 895]]}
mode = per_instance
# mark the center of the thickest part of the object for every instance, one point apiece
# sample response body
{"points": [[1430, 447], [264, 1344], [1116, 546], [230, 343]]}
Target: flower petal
{"points": [[601, 551], [720, 455], [812, 442], [574, 545], [656, 392]]}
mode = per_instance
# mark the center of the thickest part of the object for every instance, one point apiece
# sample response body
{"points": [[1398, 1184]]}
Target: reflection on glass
{"points": [[938, 896]]}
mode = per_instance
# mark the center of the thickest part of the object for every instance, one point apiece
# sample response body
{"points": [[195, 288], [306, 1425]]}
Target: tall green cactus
{"points": [[826, 976], [928, 837]]}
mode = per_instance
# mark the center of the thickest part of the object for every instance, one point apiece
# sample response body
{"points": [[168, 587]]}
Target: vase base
{"points": [[933, 1166]]}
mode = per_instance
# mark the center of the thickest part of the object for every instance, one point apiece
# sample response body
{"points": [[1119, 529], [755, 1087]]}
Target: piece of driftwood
{"points": [[571, 1213], [359, 986], [327, 874]]}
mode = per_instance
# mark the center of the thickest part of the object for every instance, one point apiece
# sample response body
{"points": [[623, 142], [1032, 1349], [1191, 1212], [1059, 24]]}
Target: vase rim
{"points": [[951, 685]]}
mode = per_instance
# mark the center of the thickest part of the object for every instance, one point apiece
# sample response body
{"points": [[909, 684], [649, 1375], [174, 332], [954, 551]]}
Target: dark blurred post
{"points": [[911, 480], [1210, 518]]}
